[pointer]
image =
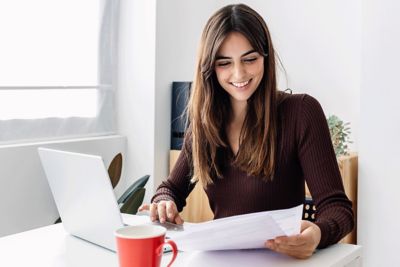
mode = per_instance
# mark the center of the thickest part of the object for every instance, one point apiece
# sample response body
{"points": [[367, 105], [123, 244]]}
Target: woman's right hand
{"points": [[163, 211]]}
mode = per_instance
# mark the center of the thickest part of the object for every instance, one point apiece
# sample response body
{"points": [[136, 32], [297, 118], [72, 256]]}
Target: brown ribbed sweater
{"points": [[305, 153]]}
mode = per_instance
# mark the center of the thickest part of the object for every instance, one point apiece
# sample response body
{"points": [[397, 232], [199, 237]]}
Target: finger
{"points": [[178, 219], [171, 211], [153, 212], [294, 240], [283, 245], [161, 209], [293, 251], [273, 245], [144, 207]]}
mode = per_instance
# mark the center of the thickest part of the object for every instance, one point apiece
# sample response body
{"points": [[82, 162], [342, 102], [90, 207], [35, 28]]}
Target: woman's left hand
{"points": [[300, 246]]}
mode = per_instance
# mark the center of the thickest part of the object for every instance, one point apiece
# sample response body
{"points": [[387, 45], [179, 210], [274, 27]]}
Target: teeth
{"points": [[241, 84]]}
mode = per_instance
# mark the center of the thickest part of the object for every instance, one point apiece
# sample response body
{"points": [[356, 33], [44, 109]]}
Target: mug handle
{"points": [[174, 250]]}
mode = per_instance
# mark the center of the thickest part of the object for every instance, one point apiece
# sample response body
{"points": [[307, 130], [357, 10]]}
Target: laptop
{"points": [[84, 196]]}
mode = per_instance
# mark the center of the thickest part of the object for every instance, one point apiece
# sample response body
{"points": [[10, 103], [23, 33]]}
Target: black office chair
{"points": [[131, 200]]}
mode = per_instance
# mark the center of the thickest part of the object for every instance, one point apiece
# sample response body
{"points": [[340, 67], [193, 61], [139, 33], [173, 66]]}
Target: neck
{"points": [[239, 110]]}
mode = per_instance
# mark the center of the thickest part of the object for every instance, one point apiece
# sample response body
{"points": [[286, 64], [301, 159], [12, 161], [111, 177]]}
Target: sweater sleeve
{"points": [[177, 186], [334, 214]]}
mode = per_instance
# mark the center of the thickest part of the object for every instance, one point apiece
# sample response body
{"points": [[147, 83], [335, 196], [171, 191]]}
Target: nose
{"points": [[239, 72]]}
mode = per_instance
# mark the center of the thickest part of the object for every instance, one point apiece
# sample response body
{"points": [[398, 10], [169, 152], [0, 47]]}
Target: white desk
{"points": [[52, 246]]}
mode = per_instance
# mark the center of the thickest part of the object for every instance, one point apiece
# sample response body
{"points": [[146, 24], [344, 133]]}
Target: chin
{"points": [[240, 98]]}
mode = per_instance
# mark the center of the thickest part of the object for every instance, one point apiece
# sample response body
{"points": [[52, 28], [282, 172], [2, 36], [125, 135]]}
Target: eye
{"points": [[250, 60], [222, 63]]}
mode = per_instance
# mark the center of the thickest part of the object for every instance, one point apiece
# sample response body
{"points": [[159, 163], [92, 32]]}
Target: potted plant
{"points": [[340, 134]]}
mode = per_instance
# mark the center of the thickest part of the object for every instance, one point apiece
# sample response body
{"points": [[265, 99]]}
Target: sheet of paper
{"points": [[246, 231]]}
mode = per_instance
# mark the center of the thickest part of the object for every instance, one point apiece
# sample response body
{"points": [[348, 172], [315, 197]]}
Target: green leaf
{"points": [[339, 132]]}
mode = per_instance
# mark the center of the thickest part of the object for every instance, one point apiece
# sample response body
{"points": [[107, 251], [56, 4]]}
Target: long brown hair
{"points": [[209, 105]]}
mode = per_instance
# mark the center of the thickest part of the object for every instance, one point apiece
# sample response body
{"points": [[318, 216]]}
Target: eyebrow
{"points": [[245, 54]]}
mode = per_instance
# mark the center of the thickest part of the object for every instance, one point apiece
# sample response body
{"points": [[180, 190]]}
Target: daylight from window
{"points": [[35, 104], [48, 44]]}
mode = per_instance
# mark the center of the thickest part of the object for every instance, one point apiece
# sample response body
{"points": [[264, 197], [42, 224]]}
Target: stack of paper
{"points": [[246, 231]]}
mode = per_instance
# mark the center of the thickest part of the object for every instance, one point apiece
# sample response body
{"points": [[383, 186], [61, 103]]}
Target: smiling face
{"points": [[239, 68]]}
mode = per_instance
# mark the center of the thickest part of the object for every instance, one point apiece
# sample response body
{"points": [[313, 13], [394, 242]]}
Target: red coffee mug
{"points": [[142, 246]]}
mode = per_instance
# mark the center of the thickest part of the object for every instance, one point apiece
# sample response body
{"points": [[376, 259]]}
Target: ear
{"points": [[115, 169]]}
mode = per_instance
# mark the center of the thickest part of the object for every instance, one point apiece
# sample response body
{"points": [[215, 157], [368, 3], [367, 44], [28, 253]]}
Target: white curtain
{"points": [[57, 69]]}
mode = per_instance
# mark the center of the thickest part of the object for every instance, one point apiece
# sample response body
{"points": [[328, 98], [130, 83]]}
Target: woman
{"points": [[251, 146]]}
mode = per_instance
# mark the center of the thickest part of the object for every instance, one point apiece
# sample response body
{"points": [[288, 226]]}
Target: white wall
{"points": [[379, 146], [25, 198], [319, 44], [136, 90]]}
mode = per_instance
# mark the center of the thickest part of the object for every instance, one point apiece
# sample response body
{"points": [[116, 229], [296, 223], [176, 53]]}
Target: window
{"points": [[56, 68]]}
